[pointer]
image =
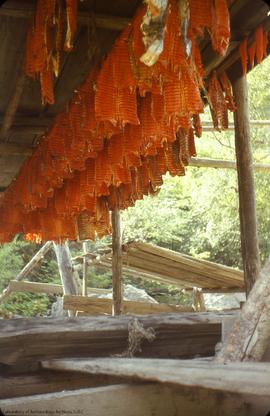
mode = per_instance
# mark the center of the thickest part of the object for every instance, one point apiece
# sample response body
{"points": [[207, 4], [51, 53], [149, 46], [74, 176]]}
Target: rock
{"points": [[223, 301], [130, 293], [57, 308]]}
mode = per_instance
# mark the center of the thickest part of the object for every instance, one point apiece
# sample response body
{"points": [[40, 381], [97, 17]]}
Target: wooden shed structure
{"points": [[90, 148]]}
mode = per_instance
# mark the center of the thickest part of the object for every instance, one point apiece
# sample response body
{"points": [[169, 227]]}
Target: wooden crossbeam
{"points": [[13, 103], [48, 288], [224, 164], [21, 10], [177, 335], [92, 306], [15, 149]]}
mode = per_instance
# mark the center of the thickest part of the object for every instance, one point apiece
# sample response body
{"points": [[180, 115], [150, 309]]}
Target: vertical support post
{"points": [[117, 304], [246, 187], [198, 300], [65, 269], [84, 285]]}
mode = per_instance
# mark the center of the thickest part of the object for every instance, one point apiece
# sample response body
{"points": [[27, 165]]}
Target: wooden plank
{"points": [[177, 335], [173, 264], [246, 186], [141, 273], [184, 373], [47, 381], [140, 399], [49, 288], [21, 10], [35, 287], [101, 401], [117, 304], [249, 337], [92, 306]]}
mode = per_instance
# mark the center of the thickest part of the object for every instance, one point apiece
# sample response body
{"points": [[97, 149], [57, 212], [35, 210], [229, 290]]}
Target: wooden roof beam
{"points": [[15, 149], [13, 102], [23, 10]]}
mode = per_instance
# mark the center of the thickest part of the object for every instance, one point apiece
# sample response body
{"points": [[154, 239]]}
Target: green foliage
{"points": [[13, 257]]}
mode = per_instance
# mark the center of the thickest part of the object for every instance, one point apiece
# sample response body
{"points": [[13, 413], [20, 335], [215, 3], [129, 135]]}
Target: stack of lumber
{"points": [[156, 263]]}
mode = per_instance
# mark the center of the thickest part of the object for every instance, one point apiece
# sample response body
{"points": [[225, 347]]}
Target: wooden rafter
{"points": [[13, 103], [23, 10]]}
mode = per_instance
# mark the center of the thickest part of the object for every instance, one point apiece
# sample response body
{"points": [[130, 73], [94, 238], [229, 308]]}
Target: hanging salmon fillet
{"points": [[217, 102], [259, 42], [251, 54], [227, 89], [72, 10], [220, 32]]}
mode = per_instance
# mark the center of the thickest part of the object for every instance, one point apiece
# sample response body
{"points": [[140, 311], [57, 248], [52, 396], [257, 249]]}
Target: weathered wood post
{"points": [[117, 304], [66, 269], [247, 200], [249, 337]]}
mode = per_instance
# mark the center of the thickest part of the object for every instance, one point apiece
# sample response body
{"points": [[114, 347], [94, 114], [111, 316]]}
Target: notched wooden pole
{"points": [[247, 200], [117, 304], [66, 269]]}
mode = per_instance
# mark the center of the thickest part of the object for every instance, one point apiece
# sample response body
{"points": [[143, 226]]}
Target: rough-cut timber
{"points": [[246, 187], [47, 381], [238, 378], [176, 336], [49, 288], [92, 306], [140, 399], [157, 263], [117, 306], [249, 337], [22, 10]]}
